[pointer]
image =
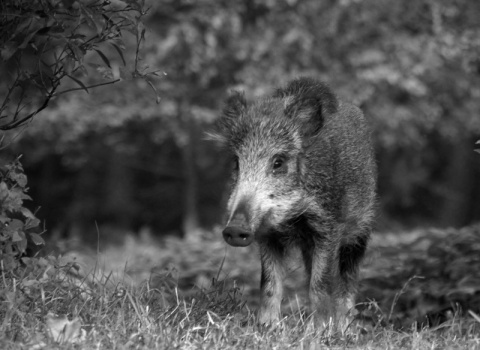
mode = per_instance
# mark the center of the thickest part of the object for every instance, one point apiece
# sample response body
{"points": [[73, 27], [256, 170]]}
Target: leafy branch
{"points": [[44, 42]]}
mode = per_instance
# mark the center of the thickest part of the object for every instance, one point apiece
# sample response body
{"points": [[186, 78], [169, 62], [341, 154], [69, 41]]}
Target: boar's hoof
{"points": [[237, 236]]}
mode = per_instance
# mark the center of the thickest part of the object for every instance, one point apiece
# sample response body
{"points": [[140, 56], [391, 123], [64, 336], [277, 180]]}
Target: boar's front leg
{"points": [[329, 292], [271, 285]]}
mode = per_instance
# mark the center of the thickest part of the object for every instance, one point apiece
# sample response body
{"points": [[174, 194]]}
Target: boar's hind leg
{"points": [[350, 253], [317, 259], [272, 256], [353, 233]]}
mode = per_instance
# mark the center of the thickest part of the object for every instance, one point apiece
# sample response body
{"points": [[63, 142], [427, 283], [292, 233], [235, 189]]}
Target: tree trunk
{"points": [[119, 204]]}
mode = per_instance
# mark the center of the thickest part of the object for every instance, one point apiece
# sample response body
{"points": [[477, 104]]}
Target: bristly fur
{"points": [[306, 177], [306, 103]]}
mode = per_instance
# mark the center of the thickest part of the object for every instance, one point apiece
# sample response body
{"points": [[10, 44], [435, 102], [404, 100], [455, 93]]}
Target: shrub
{"points": [[19, 226]]}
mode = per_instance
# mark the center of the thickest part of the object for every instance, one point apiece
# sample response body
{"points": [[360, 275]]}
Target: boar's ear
{"points": [[234, 107], [308, 101]]}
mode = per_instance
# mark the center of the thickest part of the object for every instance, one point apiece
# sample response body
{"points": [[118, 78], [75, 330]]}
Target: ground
{"points": [[419, 289]]}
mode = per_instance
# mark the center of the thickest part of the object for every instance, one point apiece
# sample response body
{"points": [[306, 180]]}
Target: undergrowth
{"points": [[58, 303]]}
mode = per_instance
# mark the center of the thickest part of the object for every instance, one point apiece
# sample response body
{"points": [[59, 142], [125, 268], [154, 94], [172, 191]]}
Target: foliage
{"points": [[19, 226], [44, 43]]}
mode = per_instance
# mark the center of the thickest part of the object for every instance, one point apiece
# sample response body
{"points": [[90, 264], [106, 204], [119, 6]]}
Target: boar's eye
{"points": [[235, 165], [279, 165]]}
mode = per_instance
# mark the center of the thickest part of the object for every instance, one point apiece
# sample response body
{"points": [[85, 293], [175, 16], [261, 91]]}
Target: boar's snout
{"points": [[237, 236], [237, 233]]}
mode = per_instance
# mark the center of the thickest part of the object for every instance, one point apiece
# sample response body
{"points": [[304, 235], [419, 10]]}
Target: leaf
{"points": [[24, 27], [134, 4], [68, 3], [27, 261], [4, 192], [32, 223], [4, 219], [82, 85], [68, 65], [11, 201], [104, 71], [29, 283], [64, 331], [119, 53], [27, 213], [28, 38], [58, 29], [22, 246], [18, 193], [8, 50], [19, 178], [15, 225], [9, 262], [77, 52], [157, 95], [104, 58], [90, 19], [16, 237], [36, 238]]}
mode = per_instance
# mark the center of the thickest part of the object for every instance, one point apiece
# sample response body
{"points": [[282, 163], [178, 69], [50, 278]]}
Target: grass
{"points": [[199, 294]]}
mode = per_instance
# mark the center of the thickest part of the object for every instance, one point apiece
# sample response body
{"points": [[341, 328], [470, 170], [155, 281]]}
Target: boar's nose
{"points": [[237, 233], [237, 236]]}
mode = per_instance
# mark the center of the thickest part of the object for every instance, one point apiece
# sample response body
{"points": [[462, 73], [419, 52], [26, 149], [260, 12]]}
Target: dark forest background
{"points": [[117, 160]]}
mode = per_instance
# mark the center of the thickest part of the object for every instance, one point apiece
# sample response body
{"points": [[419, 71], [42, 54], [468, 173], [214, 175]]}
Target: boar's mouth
{"points": [[237, 236]]}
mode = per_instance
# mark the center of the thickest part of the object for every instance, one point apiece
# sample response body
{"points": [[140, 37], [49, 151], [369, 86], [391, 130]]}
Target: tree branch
{"points": [[86, 87], [16, 123]]}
